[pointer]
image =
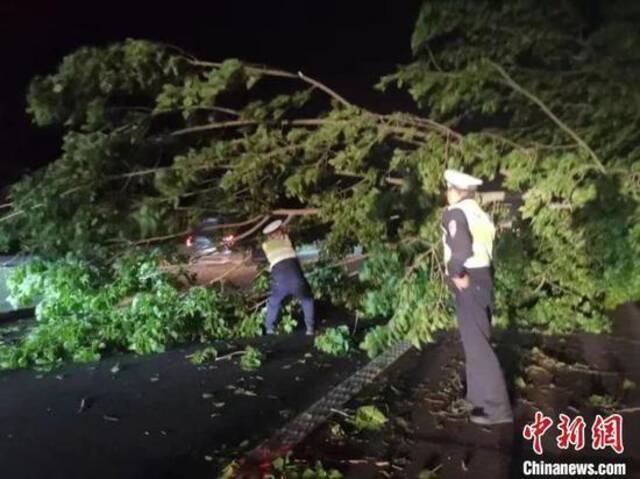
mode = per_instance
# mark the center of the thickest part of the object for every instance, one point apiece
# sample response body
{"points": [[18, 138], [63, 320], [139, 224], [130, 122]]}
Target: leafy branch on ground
{"points": [[288, 321], [204, 355], [365, 418], [87, 310], [334, 341], [368, 418], [251, 359]]}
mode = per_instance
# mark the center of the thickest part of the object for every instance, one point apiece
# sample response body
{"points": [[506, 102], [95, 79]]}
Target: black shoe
{"points": [[482, 420]]}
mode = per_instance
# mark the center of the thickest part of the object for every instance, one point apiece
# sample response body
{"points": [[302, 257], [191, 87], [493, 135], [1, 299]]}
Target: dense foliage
{"points": [[84, 312], [251, 359], [549, 79], [540, 96]]}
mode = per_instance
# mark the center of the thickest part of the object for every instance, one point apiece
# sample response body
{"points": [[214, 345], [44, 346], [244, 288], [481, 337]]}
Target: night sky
{"points": [[348, 44]]}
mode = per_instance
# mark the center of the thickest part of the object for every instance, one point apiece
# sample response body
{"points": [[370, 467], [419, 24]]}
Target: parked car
{"points": [[208, 239]]}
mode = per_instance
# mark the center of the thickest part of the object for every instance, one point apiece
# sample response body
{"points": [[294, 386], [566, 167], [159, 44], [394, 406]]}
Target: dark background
{"points": [[348, 44]]}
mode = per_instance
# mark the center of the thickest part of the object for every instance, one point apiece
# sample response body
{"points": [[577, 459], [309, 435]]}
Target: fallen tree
{"points": [[155, 139]]}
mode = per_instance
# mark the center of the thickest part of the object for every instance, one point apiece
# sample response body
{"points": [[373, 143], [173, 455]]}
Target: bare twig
{"points": [[215, 126], [137, 173], [340, 413], [295, 212], [226, 273], [324, 88], [628, 409], [158, 239], [258, 225], [287, 220], [268, 71], [264, 70], [365, 461], [235, 225], [563, 126], [230, 355], [14, 214]]}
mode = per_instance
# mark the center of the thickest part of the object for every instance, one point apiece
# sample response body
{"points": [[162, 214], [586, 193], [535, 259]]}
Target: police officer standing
{"points": [[468, 235], [287, 278]]}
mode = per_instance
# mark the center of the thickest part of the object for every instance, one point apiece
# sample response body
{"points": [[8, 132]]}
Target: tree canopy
{"points": [[539, 97]]}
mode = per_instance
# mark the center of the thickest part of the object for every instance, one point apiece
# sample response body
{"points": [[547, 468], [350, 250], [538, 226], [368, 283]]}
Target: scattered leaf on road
{"points": [[83, 405], [245, 392]]}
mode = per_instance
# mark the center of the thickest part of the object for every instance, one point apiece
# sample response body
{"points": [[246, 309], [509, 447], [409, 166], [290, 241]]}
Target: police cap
{"points": [[461, 181], [271, 227]]}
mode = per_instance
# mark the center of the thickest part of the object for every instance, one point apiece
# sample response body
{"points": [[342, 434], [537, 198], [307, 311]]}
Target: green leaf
{"points": [[368, 418]]}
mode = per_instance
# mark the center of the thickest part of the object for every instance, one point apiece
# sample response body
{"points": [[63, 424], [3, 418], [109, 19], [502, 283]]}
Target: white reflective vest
{"points": [[278, 249], [482, 233]]}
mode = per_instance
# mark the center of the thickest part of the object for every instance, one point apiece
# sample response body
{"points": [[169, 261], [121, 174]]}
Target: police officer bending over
{"points": [[468, 235], [287, 278]]}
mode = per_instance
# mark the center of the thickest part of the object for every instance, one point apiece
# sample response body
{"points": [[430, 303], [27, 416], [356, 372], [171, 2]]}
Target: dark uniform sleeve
{"points": [[458, 239]]}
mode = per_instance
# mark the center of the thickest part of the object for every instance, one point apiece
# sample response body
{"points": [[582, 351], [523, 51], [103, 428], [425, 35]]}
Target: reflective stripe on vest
{"points": [[278, 249], [482, 233]]}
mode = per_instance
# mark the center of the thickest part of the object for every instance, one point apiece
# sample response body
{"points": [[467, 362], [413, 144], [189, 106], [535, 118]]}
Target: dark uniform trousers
{"points": [[287, 279], [486, 388]]}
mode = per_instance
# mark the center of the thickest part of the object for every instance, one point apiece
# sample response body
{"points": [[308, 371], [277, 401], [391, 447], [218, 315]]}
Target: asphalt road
{"points": [[162, 417], [158, 416]]}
